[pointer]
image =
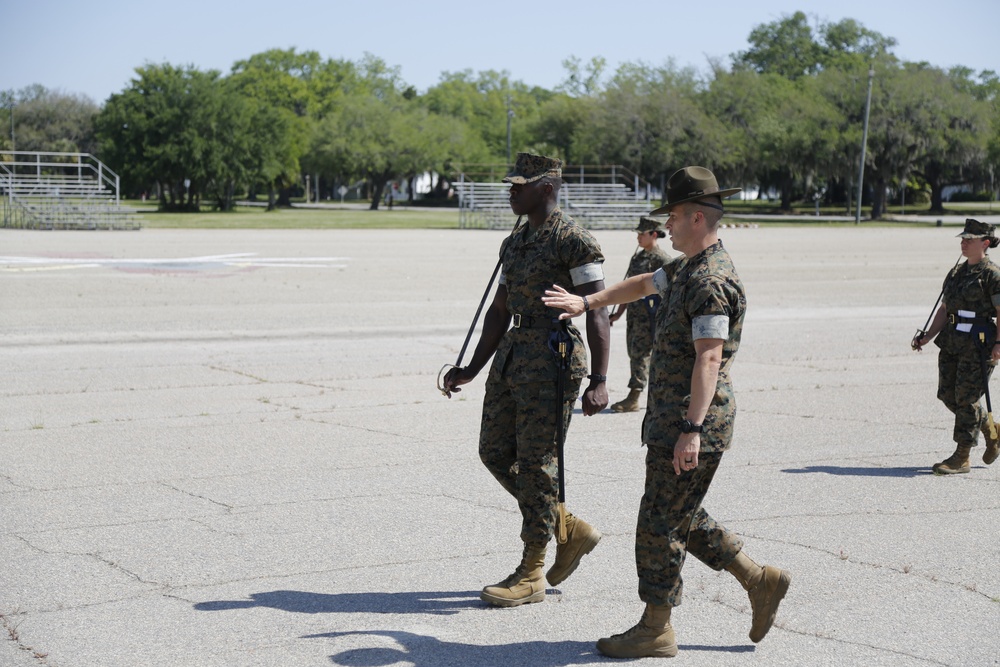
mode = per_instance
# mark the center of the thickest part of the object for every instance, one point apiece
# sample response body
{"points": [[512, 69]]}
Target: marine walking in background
{"points": [[640, 315], [964, 328]]}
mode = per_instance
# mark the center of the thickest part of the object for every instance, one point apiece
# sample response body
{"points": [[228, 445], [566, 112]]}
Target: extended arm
{"points": [[626, 291]]}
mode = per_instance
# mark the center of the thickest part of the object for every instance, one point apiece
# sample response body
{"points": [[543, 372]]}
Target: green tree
{"points": [[650, 120], [789, 47], [379, 140], [558, 121], [583, 80], [848, 44], [279, 80], [902, 125], [786, 47], [48, 120], [165, 129], [957, 126], [985, 88], [482, 101]]}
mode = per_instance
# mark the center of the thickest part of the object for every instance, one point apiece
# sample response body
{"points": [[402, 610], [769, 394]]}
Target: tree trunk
{"points": [[932, 174], [377, 187], [937, 205], [271, 205], [878, 199], [786, 193]]}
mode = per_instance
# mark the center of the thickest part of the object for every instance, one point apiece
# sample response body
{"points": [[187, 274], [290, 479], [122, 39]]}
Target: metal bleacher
{"points": [[49, 190], [596, 199]]}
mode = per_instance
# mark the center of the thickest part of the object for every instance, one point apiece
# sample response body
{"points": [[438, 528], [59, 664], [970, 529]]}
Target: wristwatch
{"points": [[687, 426]]}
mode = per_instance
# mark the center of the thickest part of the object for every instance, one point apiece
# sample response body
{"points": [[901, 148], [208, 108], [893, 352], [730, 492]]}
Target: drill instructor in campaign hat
{"points": [[689, 417]]}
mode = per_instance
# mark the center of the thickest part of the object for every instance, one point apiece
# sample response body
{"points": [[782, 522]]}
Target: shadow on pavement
{"points": [[301, 602], [862, 472], [424, 651]]}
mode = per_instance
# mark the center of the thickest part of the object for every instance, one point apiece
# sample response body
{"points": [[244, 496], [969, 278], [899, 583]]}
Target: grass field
{"points": [[447, 218], [299, 218]]}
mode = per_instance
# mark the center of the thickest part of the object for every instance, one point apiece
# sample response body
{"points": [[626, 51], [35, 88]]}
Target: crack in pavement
{"points": [[842, 556]]}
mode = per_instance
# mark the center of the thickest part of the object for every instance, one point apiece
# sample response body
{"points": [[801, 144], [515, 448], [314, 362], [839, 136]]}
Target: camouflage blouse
{"points": [[705, 286], [644, 261], [559, 252], [973, 288]]}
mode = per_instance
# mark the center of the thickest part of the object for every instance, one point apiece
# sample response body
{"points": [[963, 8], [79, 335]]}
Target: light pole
{"points": [[12, 146], [864, 143], [510, 115]]}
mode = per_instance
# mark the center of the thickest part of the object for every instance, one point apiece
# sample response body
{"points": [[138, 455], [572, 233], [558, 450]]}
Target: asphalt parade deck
{"points": [[226, 448]]}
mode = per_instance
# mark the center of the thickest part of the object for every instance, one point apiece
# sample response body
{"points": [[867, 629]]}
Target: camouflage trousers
{"points": [[672, 523], [960, 387], [517, 444], [639, 339]]}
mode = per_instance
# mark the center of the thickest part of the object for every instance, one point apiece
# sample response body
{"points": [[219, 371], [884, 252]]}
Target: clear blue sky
{"points": [[93, 46]]}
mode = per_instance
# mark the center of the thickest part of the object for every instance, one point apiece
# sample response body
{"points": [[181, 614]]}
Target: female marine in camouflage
{"points": [[965, 330]]}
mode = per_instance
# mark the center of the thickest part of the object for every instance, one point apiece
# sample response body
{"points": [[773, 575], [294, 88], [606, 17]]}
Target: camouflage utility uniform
{"points": [[974, 289], [517, 438], [671, 520], [640, 325]]}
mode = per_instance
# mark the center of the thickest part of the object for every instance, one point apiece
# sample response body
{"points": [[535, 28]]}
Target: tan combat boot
{"points": [[581, 538], [992, 446], [652, 637], [766, 587], [526, 585], [956, 463], [628, 404]]}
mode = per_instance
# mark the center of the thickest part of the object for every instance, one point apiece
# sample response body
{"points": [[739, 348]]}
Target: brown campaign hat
{"points": [[692, 184], [529, 168], [648, 224]]}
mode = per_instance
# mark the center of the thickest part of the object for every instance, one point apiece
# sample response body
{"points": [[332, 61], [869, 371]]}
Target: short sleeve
{"points": [[994, 286], [708, 297], [663, 277], [580, 252], [661, 282]]}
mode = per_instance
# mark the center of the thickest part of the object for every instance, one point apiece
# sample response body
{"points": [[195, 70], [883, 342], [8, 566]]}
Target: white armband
{"points": [[710, 326], [660, 281], [587, 273]]}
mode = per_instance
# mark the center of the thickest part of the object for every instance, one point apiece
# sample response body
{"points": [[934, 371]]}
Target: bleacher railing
{"points": [[596, 196], [49, 190]]}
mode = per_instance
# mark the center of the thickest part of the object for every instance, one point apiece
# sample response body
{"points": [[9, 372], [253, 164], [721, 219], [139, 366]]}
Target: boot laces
{"points": [[520, 573], [634, 630]]}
